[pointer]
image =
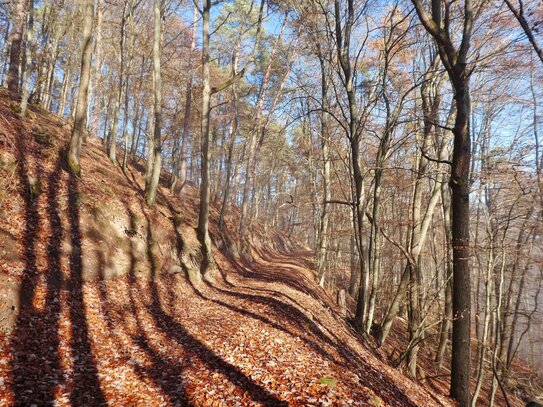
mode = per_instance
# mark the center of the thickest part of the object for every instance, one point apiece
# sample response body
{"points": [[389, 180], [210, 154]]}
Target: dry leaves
{"points": [[263, 334]]}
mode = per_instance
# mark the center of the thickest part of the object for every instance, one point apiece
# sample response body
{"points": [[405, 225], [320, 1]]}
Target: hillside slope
{"points": [[97, 308]]}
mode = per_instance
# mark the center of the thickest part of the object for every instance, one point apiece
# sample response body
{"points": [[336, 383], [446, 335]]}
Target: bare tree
{"points": [[16, 41], [74, 149], [455, 60], [152, 185]]}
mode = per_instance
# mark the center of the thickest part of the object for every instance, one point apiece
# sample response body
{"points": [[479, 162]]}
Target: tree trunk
{"points": [[253, 140], [16, 40], [322, 243], [203, 214], [460, 188], [157, 87], [179, 178], [112, 139], [447, 314], [65, 86], [74, 150], [27, 77], [232, 140], [98, 71]]}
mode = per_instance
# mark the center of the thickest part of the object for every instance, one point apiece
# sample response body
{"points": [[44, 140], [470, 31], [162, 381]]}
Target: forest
{"points": [[343, 196]]}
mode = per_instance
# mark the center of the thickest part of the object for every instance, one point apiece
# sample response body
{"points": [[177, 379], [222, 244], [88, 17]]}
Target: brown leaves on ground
{"points": [[261, 334]]}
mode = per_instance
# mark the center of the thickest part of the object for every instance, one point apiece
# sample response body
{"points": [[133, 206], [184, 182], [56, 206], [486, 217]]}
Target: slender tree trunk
{"points": [[203, 214], [232, 140], [322, 243], [74, 150], [27, 77], [253, 141], [127, 94], [447, 314], [98, 97], [179, 178], [112, 139], [149, 142], [157, 87], [362, 301], [65, 86], [51, 79]]}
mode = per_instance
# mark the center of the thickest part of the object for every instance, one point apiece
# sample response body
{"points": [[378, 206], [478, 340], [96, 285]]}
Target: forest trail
{"points": [[97, 307]]}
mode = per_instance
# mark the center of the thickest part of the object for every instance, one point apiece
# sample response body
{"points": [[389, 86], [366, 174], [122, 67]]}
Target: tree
{"points": [[455, 60], [353, 131], [151, 187], [112, 138], [16, 40], [28, 57], [179, 176], [207, 92], [74, 149], [519, 14]]}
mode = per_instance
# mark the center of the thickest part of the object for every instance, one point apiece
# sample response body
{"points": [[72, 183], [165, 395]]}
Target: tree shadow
{"points": [[36, 370], [35, 341], [194, 348], [348, 357], [164, 373], [283, 312], [278, 273], [86, 385]]}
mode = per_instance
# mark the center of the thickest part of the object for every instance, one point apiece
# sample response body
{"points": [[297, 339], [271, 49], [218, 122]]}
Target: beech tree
{"points": [[207, 92], [455, 60], [152, 184], [74, 149], [15, 39]]}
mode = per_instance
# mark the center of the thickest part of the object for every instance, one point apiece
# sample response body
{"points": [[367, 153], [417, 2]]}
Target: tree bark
{"points": [[455, 62], [98, 98], [460, 211], [322, 241], [157, 106], [16, 40], [203, 214], [74, 149], [112, 139], [179, 178], [28, 57]]}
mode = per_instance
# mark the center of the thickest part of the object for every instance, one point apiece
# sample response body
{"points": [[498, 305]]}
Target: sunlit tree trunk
{"points": [[151, 187], [203, 213], [322, 239], [252, 143], [179, 176], [74, 149], [27, 77], [112, 138]]}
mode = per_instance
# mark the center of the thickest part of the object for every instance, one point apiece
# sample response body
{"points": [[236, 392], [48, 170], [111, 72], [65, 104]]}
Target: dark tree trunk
{"points": [[460, 188], [16, 40]]}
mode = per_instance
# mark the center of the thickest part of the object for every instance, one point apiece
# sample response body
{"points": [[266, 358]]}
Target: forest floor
{"points": [[105, 315]]}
